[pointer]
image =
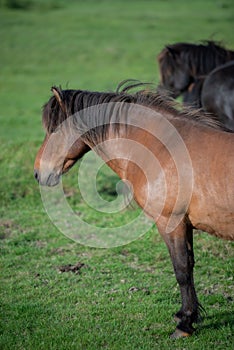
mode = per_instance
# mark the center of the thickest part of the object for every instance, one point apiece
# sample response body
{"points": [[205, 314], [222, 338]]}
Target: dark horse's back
{"points": [[218, 94]]}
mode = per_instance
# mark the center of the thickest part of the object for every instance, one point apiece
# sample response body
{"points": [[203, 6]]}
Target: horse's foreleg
{"points": [[180, 245]]}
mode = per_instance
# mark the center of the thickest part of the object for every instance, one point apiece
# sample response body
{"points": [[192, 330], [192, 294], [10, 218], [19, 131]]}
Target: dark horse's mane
{"points": [[201, 58], [78, 100]]}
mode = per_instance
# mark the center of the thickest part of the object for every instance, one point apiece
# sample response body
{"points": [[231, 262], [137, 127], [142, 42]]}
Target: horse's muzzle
{"points": [[50, 180]]}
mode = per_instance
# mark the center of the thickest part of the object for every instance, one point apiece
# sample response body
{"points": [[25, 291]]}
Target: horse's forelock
{"points": [[52, 115]]}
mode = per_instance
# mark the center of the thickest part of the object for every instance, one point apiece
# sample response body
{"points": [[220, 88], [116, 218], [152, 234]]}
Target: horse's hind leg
{"points": [[180, 245]]}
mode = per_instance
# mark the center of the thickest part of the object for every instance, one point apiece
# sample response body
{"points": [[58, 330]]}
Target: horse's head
{"points": [[175, 75], [59, 151]]}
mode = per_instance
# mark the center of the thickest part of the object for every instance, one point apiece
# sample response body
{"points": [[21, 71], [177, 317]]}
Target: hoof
{"points": [[180, 334]]}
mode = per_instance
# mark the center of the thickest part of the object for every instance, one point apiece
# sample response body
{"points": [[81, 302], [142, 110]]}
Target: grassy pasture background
{"points": [[123, 298]]}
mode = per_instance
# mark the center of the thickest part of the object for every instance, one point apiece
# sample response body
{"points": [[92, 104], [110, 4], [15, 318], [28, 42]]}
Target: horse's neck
{"points": [[144, 136], [201, 72], [115, 152]]}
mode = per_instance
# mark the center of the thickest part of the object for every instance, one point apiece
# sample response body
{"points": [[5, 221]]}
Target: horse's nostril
{"points": [[36, 175]]}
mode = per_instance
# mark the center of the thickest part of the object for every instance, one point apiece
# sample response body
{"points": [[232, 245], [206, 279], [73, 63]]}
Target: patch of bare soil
{"points": [[72, 268], [6, 227]]}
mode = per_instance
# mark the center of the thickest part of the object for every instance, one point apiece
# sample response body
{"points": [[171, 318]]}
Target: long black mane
{"points": [[200, 58], [76, 101]]}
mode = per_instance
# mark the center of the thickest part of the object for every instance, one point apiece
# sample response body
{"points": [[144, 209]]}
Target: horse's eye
{"points": [[55, 131]]}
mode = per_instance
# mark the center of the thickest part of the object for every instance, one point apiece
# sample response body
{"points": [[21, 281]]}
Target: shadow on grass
{"points": [[217, 321]]}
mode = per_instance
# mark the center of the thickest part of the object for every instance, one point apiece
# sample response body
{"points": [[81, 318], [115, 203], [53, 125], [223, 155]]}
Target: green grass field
{"points": [[124, 297]]}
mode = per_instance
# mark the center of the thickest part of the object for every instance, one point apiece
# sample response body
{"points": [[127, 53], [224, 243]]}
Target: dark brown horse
{"points": [[184, 66], [181, 168], [217, 95]]}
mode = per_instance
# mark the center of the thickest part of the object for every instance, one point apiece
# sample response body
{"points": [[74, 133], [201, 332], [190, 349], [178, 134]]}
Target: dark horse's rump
{"points": [[217, 94]]}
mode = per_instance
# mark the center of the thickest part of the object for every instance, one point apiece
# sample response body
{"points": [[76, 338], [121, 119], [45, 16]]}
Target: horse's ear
{"points": [[59, 97], [171, 51]]}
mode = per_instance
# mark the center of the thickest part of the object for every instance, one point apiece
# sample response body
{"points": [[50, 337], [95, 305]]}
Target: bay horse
{"points": [[184, 66], [181, 168], [217, 94]]}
